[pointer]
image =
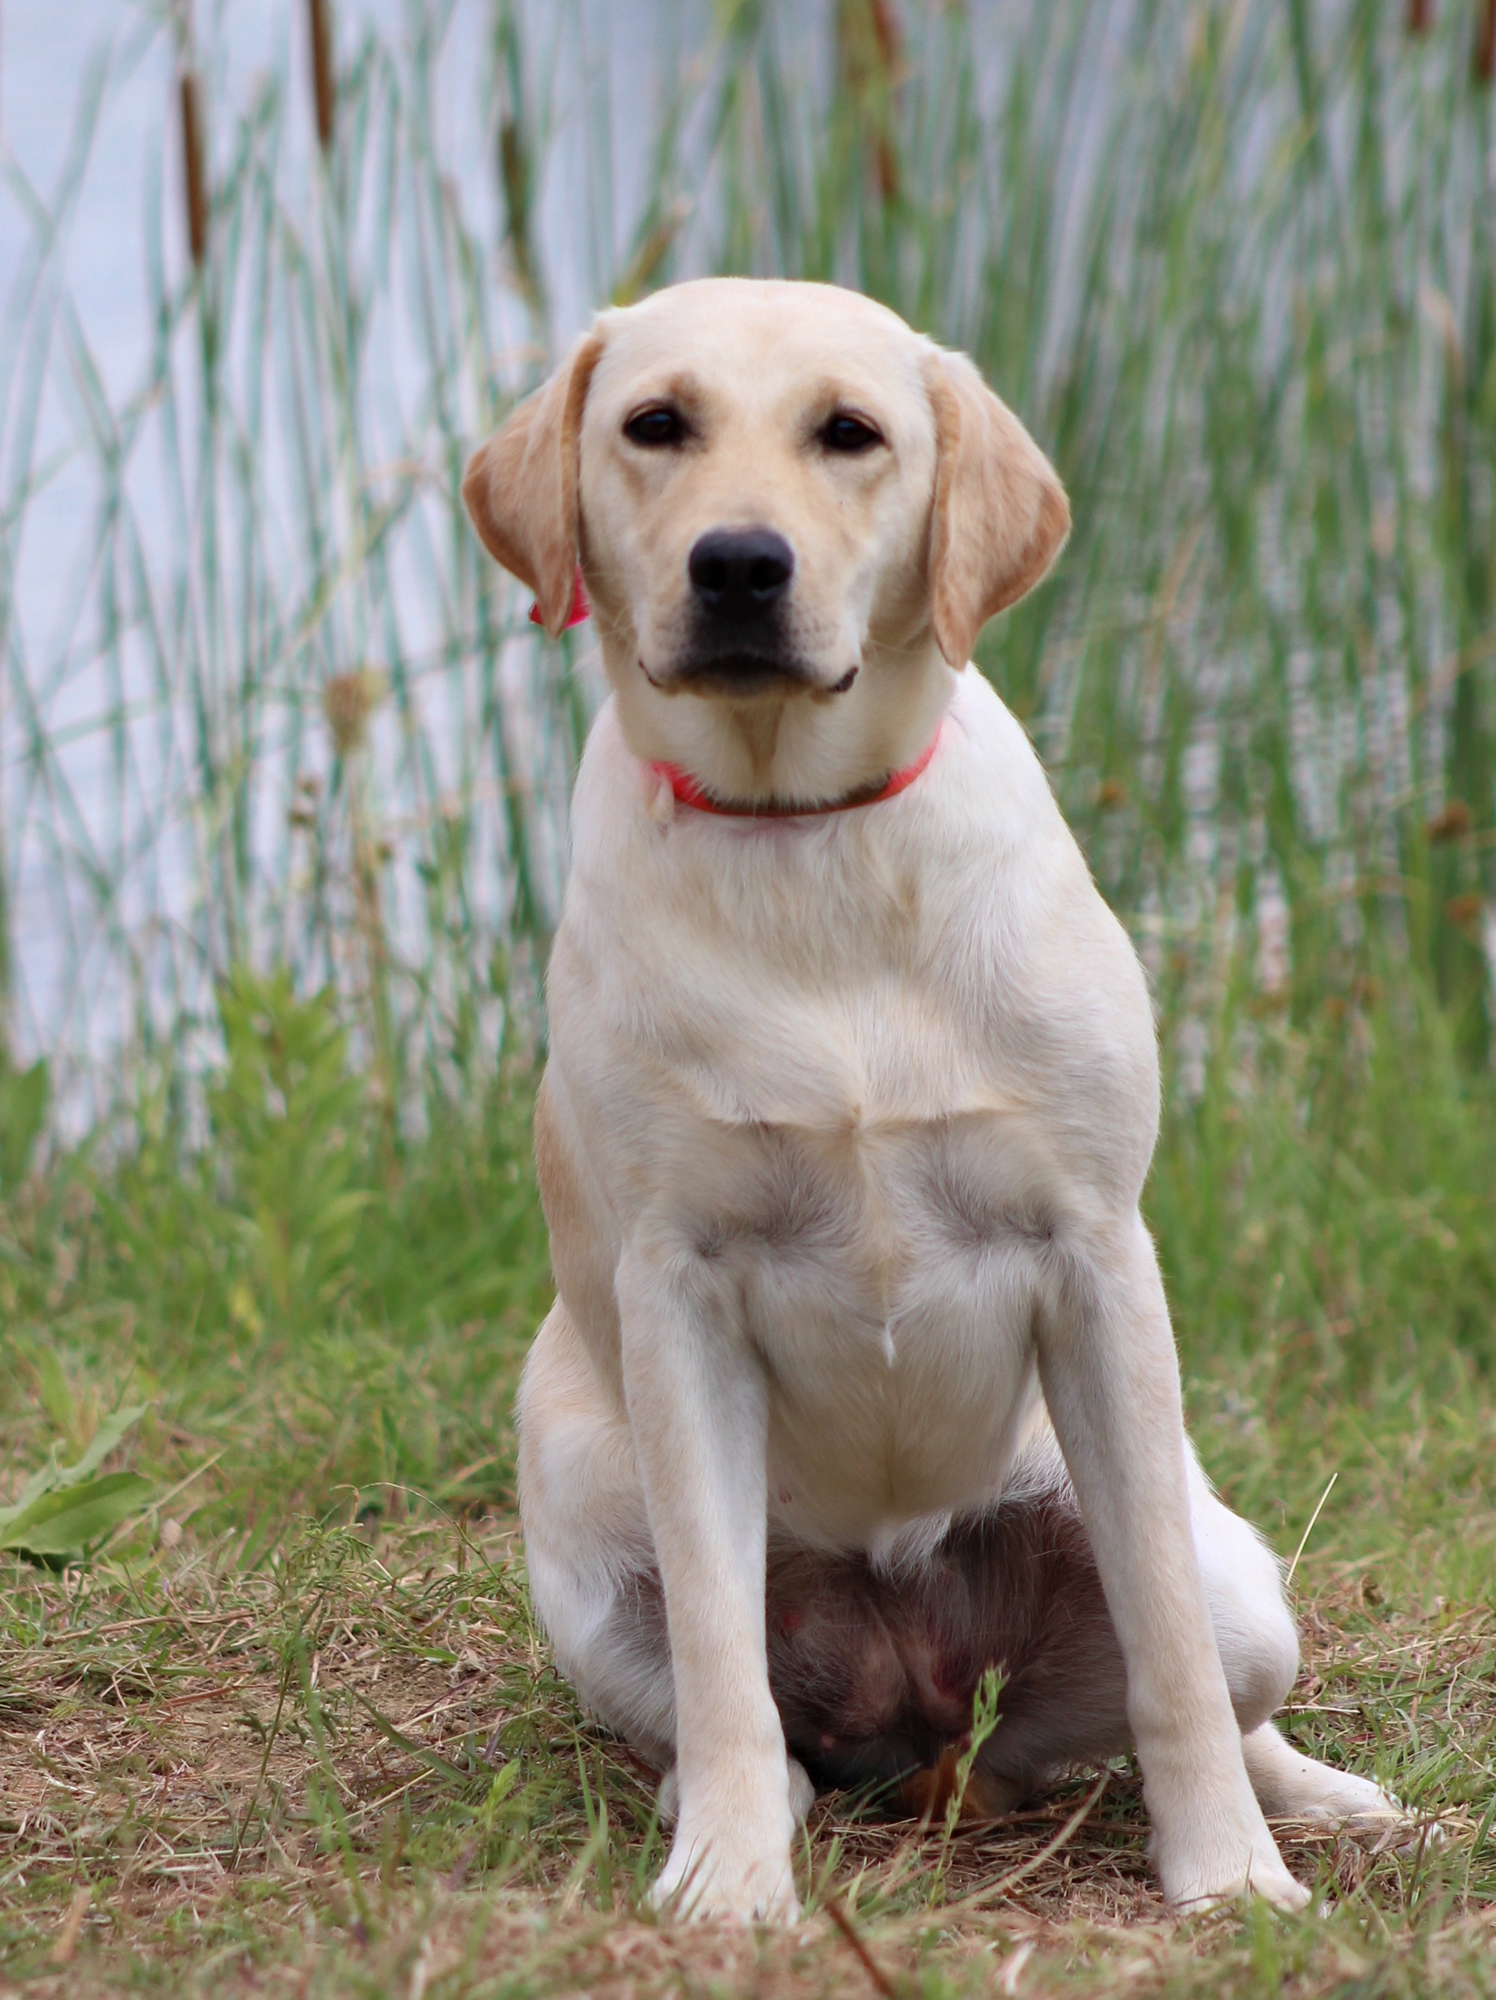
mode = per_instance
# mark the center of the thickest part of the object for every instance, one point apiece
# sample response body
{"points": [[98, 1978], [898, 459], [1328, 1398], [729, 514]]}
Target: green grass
{"points": [[291, 1729], [296, 1724]]}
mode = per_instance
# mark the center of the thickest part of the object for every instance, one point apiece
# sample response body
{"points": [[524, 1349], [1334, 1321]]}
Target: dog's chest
{"points": [[884, 1194], [850, 1091], [878, 1211], [883, 1111], [850, 1126], [888, 1279]]}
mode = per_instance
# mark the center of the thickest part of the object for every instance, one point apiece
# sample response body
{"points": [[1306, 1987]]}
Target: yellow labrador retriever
{"points": [[860, 1377]]}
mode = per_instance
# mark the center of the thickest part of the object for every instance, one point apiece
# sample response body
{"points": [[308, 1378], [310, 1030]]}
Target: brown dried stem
{"points": [[1484, 62], [324, 79], [194, 170]]}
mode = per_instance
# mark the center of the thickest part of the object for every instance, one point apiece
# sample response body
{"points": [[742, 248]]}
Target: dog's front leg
{"points": [[698, 1409], [1111, 1380]]}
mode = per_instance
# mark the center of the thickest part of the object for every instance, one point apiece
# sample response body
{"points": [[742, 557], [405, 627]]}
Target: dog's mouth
{"points": [[744, 675]]}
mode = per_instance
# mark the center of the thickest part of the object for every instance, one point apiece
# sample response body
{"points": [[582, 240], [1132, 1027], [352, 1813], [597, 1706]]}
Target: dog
{"points": [[860, 1377]]}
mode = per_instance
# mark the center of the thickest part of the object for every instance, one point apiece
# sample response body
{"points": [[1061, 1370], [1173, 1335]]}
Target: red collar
{"points": [[688, 792]]}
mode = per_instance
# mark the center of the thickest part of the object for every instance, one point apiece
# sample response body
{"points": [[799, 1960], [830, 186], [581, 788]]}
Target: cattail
{"points": [[348, 701], [888, 35], [1485, 40], [194, 172], [515, 178], [1420, 16], [1451, 824], [870, 50], [324, 83]]}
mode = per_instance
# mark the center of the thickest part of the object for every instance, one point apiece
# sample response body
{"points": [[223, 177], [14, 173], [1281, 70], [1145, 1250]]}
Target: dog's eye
{"points": [[655, 427], [849, 434]]}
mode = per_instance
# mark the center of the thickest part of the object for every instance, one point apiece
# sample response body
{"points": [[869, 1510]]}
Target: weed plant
{"points": [[290, 1727]]}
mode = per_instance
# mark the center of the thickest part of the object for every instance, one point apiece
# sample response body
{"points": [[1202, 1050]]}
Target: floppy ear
{"points": [[999, 517], [521, 487]]}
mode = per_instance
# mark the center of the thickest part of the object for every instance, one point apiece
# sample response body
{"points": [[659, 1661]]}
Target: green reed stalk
{"points": [[1233, 265]]}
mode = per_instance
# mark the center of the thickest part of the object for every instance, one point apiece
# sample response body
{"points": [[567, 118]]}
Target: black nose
{"points": [[740, 573]]}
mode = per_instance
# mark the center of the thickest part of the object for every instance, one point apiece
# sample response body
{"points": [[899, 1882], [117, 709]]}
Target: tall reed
{"points": [[1233, 264]]}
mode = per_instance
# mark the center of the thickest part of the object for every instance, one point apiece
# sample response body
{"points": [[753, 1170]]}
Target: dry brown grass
{"points": [[353, 1771]]}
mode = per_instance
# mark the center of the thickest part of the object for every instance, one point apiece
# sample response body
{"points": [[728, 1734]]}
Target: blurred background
{"points": [[270, 268], [284, 767]]}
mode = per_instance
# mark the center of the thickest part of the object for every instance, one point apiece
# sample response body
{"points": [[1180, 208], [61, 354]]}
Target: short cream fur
{"points": [[847, 1115]]}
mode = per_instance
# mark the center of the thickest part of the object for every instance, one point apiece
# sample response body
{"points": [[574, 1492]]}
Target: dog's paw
{"points": [[1219, 1864], [718, 1876], [1346, 1800], [1206, 1888], [1290, 1785], [1360, 1809]]}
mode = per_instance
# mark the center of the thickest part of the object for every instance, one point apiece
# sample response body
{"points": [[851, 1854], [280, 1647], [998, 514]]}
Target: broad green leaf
{"points": [[54, 1478], [105, 1438], [41, 1481], [23, 1112], [59, 1523]]}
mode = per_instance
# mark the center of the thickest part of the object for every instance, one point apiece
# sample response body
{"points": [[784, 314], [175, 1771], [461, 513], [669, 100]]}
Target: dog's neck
{"points": [[795, 749]]}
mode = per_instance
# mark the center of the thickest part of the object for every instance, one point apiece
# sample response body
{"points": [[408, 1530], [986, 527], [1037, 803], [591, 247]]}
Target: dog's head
{"points": [[782, 499]]}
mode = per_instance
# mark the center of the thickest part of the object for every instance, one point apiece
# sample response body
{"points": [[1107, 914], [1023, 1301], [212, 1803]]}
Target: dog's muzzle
{"points": [[738, 645]]}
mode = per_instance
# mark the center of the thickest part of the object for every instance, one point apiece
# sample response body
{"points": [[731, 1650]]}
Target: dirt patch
{"points": [[357, 1766]]}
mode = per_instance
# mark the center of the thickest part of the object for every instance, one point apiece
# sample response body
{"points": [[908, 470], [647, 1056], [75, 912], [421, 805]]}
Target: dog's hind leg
{"points": [[1254, 1629], [1259, 1650], [591, 1561]]}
